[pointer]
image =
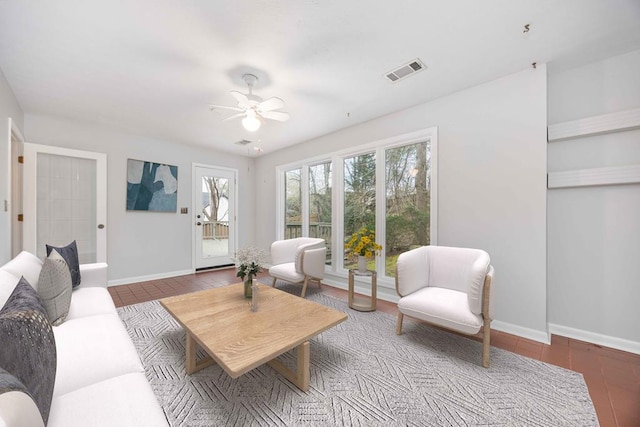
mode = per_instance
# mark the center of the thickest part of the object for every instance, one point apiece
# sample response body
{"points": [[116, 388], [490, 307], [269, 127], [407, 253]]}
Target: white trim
{"points": [[596, 125], [167, 275], [521, 331], [433, 189], [13, 131], [596, 176], [595, 338], [386, 293]]}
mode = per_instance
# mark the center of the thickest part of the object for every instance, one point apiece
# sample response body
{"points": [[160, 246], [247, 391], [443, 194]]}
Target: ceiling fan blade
{"points": [[235, 116], [224, 107], [242, 99], [276, 115], [271, 104]]}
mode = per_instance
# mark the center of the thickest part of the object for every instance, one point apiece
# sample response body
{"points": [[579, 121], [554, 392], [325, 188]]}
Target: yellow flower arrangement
{"points": [[363, 243]]}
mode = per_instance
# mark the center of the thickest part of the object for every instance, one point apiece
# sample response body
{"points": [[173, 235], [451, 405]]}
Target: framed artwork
{"points": [[151, 186]]}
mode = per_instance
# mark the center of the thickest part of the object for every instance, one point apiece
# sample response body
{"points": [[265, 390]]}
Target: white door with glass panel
{"points": [[65, 199], [214, 215]]}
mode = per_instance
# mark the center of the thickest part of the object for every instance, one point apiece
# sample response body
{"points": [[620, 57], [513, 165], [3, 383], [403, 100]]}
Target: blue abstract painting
{"points": [[151, 186]]}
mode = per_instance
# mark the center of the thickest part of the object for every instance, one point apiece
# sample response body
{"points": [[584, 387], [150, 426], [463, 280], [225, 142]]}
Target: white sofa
{"points": [[99, 378]]}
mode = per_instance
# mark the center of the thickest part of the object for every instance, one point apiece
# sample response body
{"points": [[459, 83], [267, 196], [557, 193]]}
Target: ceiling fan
{"points": [[253, 108]]}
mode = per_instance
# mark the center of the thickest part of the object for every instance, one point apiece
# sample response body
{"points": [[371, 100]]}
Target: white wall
{"points": [[594, 232], [146, 244], [9, 108], [492, 184]]}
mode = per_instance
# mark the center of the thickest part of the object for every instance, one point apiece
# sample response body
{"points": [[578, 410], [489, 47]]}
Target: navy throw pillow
{"points": [[70, 254]]}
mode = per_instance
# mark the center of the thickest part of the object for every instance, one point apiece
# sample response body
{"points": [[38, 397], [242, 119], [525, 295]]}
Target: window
{"points": [[293, 204], [387, 186], [359, 199], [407, 204], [320, 205]]}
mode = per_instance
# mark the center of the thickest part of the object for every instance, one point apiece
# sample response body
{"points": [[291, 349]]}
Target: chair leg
{"points": [[304, 286], [273, 285], [486, 344], [399, 324], [319, 284]]}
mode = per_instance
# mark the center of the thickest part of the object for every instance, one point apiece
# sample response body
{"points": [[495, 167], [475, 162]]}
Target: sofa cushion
{"points": [[17, 408], [28, 349], [8, 283], [123, 401], [70, 254], [90, 302], [25, 264], [286, 272], [54, 287], [93, 349], [443, 307]]}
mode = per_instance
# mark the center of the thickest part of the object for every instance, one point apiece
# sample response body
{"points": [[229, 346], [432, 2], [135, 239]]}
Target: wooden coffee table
{"points": [[221, 322]]}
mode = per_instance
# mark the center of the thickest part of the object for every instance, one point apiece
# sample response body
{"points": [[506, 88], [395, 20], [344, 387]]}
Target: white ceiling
{"points": [[151, 67]]}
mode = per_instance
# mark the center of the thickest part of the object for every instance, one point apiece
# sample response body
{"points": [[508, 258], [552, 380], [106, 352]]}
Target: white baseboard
{"points": [[129, 280], [389, 294], [521, 331], [595, 338], [382, 292]]}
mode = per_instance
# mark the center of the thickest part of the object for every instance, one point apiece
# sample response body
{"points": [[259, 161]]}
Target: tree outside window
{"points": [[359, 197], [407, 187]]}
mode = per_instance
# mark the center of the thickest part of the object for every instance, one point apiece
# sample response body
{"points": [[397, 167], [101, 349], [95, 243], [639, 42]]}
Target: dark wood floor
{"points": [[612, 376]]}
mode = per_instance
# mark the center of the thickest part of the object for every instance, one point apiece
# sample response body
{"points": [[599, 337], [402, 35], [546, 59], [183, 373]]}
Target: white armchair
{"points": [[298, 261], [448, 287]]}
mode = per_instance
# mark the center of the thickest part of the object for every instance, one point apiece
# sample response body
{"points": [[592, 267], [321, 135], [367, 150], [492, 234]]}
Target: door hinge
{"points": [[20, 159], [20, 217]]}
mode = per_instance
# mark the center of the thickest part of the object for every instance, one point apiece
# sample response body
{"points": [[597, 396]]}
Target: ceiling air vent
{"points": [[405, 70], [243, 142]]}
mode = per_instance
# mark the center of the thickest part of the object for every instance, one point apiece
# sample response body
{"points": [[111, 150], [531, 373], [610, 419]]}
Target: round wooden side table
{"points": [[363, 303]]}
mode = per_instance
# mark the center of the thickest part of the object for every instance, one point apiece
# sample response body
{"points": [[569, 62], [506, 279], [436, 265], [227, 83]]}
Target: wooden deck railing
{"points": [[215, 229]]}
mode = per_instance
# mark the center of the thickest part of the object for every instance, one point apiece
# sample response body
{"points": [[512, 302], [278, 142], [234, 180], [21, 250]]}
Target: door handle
{"points": [[198, 223], [100, 226]]}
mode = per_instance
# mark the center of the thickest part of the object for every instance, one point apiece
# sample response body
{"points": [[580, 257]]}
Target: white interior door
{"points": [[214, 216], [65, 199]]}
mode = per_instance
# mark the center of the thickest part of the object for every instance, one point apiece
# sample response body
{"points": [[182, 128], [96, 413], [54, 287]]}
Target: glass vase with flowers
{"points": [[249, 262]]}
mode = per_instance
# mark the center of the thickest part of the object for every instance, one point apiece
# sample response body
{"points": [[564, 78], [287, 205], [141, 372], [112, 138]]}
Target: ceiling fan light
{"points": [[251, 122]]}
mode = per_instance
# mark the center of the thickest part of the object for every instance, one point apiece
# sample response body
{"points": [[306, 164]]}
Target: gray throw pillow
{"points": [[54, 287], [70, 254], [28, 350]]}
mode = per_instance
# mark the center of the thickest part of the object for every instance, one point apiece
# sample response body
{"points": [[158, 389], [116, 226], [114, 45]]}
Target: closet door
{"points": [[65, 193]]}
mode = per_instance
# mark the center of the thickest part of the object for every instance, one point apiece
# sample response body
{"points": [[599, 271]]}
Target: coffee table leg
{"points": [[192, 364], [300, 378]]}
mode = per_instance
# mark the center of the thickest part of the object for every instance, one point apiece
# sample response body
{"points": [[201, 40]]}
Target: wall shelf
{"points": [[594, 177], [596, 125]]}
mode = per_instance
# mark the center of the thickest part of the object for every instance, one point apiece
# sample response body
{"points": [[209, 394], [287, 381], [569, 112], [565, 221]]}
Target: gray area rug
{"points": [[362, 374]]}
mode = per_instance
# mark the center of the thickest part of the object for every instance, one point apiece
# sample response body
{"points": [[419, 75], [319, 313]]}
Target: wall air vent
{"points": [[405, 70], [243, 142]]}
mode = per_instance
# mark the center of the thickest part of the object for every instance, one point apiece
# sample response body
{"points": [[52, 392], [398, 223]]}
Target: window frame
{"points": [[336, 158]]}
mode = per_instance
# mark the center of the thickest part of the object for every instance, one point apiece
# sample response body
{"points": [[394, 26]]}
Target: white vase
{"points": [[362, 264]]}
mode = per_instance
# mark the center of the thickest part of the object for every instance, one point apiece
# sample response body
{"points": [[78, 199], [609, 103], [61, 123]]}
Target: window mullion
{"points": [[337, 226], [380, 206], [304, 199]]}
